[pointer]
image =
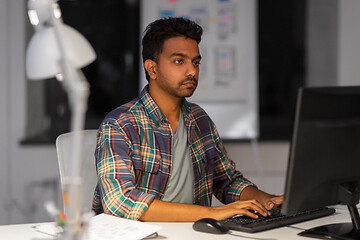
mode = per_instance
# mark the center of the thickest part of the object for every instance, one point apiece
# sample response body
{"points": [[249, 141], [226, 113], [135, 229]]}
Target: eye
{"points": [[196, 63], [178, 61]]}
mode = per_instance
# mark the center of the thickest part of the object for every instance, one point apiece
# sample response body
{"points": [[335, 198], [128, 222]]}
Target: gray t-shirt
{"points": [[180, 188]]}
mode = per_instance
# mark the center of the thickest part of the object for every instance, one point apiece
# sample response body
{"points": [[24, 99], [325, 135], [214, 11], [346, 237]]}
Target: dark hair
{"points": [[162, 29]]}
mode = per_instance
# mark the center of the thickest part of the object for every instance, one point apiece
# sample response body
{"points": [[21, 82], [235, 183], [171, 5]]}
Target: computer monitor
{"points": [[324, 160]]}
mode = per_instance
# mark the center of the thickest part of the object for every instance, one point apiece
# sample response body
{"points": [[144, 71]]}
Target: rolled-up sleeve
{"points": [[228, 182], [116, 175]]}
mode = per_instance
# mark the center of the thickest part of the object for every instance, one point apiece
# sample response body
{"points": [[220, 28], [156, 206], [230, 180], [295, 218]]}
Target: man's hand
{"points": [[269, 201], [252, 200], [248, 208], [274, 202]]}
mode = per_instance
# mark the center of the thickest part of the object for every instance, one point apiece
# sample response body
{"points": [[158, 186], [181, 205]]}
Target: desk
{"points": [[184, 231]]}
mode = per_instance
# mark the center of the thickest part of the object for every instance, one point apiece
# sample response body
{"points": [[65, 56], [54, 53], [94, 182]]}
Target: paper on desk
{"points": [[109, 227]]}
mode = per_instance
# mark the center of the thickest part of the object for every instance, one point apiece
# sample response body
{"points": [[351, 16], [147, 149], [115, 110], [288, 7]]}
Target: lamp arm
{"points": [[78, 91]]}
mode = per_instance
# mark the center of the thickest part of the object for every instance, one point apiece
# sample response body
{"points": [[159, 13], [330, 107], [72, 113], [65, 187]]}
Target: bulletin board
{"points": [[227, 88]]}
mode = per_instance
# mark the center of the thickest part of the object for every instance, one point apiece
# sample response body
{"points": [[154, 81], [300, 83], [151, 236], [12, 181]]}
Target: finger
{"points": [[254, 206], [274, 202], [269, 204], [279, 200], [260, 209], [248, 213]]}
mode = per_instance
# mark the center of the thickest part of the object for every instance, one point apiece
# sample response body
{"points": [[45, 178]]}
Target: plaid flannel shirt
{"points": [[133, 159]]}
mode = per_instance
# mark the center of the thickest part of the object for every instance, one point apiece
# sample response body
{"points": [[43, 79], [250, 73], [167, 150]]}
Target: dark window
{"points": [[281, 42], [112, 28]]}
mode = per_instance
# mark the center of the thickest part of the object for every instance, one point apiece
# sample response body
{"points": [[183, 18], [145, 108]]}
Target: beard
{"points": [[190, 84], [183, 88]]}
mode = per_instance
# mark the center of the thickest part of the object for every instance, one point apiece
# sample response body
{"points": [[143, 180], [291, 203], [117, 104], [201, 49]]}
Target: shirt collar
{"points": [[185, 107], [154, 111]]}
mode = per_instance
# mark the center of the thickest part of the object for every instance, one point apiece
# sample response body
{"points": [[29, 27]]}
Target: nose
{"points": [[191, 70]]}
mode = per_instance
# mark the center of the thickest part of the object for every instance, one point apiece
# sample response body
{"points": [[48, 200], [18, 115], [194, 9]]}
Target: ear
{"points": [[150, 67]]}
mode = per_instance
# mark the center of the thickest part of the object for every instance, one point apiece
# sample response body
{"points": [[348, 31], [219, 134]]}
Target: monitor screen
{"points": [[324, 160]]}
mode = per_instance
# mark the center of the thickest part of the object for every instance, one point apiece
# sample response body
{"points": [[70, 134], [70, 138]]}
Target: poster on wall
{"points": [[227, 87]]}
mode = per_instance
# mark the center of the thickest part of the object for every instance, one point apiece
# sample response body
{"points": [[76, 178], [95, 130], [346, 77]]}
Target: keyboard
{"points": [[247, 224]]}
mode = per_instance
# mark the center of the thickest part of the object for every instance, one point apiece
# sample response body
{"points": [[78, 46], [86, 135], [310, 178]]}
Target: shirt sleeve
{"points": [[228, 182], [117, 186]]}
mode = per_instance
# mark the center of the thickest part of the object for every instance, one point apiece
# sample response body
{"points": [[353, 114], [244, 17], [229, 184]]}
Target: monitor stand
{"points": [[342, 231]]}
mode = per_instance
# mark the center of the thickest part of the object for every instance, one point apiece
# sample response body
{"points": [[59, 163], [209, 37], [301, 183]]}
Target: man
{"points": [[159, 157]]}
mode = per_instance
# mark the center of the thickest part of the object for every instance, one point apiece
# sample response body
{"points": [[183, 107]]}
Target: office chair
{"points": [[88, 170]]}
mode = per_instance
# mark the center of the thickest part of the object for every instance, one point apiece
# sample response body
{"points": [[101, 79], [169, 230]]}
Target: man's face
{"points": [[177, 68]]}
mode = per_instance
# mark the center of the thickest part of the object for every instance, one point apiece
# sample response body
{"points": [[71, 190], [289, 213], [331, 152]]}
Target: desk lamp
{"points": [[57, 50]]}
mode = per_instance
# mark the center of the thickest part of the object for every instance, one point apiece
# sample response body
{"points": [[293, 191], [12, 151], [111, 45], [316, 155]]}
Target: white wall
{"points": [[269, 174], [24, 170], [349, 41], [3, 107], [322, 42], [333, 37]]}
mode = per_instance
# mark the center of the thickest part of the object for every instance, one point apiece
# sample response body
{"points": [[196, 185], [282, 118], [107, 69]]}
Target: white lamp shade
{"points": [[43, 54]]}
